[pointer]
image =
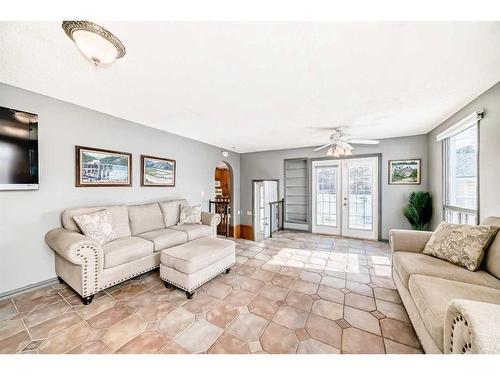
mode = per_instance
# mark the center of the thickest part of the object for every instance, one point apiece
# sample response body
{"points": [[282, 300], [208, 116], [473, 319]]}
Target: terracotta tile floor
{"points": [[294, 293]]}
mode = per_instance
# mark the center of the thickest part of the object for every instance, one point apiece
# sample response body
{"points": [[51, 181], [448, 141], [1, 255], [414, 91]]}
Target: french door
{"points": [[345, 197]]}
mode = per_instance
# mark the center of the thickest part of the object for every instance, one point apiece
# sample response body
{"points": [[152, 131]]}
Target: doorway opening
{"points": [[345, 197], [223, 198], [264, 192]]}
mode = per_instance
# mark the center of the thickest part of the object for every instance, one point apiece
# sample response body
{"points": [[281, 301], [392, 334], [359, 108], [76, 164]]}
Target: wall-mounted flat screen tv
{"points": [[18, 150]]}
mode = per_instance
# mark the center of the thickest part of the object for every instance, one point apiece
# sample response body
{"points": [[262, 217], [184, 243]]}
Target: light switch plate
{"points": [[249, 213]]}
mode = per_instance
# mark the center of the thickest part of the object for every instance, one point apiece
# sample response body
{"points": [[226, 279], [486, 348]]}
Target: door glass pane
{"points": [[360, 197], [461, 169], [326, 196]]}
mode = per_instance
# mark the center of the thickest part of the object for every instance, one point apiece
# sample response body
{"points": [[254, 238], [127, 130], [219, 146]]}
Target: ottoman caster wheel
{"points": [[168, 285], [228, 270], [189, 295]]}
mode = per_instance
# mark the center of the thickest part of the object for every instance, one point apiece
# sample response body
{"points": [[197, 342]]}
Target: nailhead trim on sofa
{"points": [[216, 219], [83, 252], [129, 277], [468, 345]]}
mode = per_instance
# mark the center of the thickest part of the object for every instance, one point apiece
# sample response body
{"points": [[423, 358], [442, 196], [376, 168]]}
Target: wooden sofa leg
{"points": [[189, 295], [168, 285], [87, 300], [228, 270], [61, 281]]}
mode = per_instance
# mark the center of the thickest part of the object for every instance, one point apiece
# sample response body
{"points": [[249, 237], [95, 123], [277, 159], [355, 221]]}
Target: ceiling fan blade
{"points": [[322, 147], [364, 141]]}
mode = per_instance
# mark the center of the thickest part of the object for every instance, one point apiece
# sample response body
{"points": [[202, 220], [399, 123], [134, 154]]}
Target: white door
{"points": [[270, 195], [259, 216], [326, 206], [345, 197], [360, 198], [264, 193]]}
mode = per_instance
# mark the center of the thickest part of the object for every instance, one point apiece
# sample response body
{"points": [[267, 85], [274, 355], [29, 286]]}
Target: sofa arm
{"points": [[472, 327], [408, 240], [208, 218], [73, 246]]}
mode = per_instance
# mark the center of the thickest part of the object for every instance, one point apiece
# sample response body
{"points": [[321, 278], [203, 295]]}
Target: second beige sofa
{"points": [[452, 309], [143, 231]]}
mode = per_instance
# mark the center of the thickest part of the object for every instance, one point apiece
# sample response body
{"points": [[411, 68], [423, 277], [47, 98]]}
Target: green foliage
{"points": [[419, 210]]}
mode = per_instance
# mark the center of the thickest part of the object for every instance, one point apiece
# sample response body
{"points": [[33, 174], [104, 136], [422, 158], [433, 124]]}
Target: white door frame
{"points": [[342, 227]]}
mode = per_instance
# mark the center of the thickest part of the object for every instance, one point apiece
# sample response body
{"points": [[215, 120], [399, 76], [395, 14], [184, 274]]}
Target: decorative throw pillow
{"points": [[98, 225], [190, 215], [463, 245]]}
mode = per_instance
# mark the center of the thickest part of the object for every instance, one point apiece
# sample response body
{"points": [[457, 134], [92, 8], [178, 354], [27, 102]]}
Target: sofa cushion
{"points": [[145, 218], [98, 225], [196, 255], [461, 244], [119, 214], [407, 264], [491, 261], [164, 238], [171, 211], [124, 250], [194, 231], [432, 296]]}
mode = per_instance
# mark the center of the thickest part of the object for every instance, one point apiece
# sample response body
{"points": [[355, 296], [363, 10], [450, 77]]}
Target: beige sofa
{"points": [[453, 310], [143, 231]]}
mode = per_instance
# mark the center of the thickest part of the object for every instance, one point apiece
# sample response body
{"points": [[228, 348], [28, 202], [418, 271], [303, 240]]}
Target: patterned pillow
{"points": [[98, 225], [190, 215], [463, 245]]}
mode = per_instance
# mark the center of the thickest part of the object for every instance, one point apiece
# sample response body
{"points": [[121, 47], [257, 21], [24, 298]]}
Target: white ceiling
{"points": [[260, 86]]}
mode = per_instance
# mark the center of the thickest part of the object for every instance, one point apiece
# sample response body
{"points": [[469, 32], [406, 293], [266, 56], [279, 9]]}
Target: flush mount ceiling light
{"points": [[95, 42]]}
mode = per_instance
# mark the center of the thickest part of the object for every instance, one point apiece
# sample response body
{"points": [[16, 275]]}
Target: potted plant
{"points": [[419, 210]]}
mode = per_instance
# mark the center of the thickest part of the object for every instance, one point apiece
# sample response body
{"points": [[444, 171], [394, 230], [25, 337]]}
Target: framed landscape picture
{"points": [[404, 172], [157, 171], [97, 167]]}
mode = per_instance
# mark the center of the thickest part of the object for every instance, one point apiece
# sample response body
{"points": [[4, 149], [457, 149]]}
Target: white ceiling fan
{"points": [[340, 143]]}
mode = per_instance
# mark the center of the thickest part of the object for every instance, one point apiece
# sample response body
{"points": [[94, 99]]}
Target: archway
{"points": [[223, 198]]}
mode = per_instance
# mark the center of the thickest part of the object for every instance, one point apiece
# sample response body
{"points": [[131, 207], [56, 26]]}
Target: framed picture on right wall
{"points": [[405, 172]]}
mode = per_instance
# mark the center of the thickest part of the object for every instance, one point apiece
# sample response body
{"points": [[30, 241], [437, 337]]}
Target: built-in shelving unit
{"points": [[296, 186]]}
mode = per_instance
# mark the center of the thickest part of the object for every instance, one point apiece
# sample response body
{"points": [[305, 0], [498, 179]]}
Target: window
{"points": [[460, 176]]}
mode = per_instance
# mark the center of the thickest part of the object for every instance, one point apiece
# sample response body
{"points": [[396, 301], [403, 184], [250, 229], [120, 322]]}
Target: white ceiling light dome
{"points": [[94, 42]]}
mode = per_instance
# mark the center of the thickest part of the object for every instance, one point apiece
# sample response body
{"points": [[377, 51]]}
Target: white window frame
{"points": [[464, 214]]}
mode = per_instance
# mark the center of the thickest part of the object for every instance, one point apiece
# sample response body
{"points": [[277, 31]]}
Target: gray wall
{"points": [[25, 216], [270, 165], [489, 155]]}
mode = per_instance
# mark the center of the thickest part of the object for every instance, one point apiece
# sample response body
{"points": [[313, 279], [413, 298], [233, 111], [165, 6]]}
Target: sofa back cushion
{"points": [[145, 217], [491, 261], [118, 213], [171, 211]]}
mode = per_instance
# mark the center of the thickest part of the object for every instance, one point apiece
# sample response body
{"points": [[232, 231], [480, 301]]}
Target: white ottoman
{"points": [[193, 263]]}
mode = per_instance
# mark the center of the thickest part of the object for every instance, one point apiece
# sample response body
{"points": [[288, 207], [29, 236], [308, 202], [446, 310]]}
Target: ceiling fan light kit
{"points": [[339, 144]]}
